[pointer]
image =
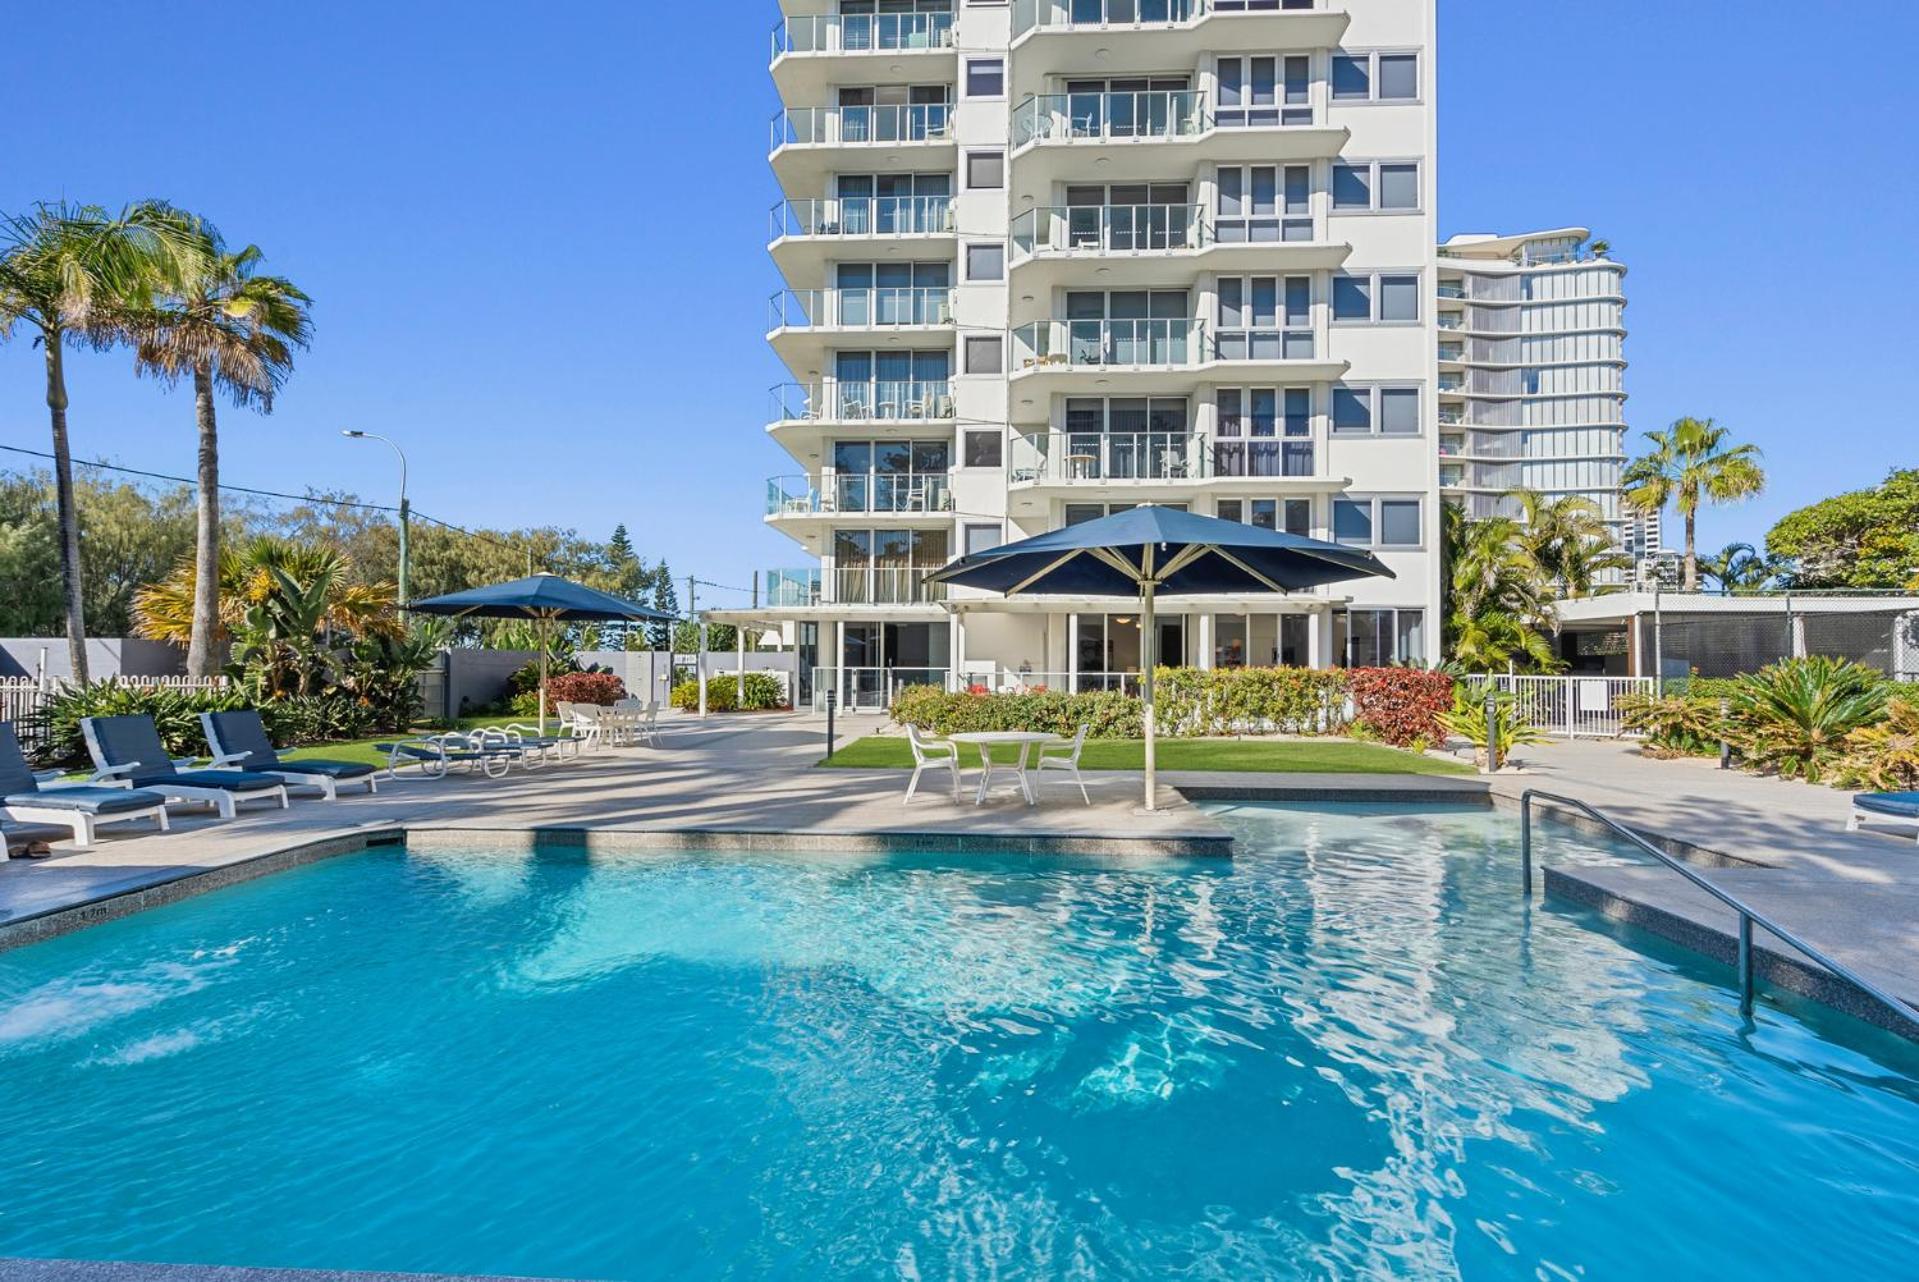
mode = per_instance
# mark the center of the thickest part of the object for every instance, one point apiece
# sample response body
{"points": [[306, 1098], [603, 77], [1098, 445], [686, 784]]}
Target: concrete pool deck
{"points": [[743, 783]]}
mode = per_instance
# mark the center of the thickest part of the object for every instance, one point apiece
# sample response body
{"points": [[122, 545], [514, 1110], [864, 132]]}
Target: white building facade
{"points": [[1050, 259], [1532, 373]]}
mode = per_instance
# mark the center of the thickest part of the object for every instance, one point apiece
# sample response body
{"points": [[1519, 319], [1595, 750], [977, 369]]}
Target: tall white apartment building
{"points": [[1050, 259], [1532, 375]]}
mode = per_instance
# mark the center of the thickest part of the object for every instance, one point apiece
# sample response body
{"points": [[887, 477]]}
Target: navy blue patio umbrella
{"points": [[545, 599], [1154, 551]]}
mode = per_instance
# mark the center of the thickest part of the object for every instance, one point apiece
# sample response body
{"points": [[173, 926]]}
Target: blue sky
{"points": [[537, 245]]}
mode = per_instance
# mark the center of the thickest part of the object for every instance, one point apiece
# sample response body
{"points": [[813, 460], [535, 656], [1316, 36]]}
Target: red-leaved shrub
{"points": [[1401, 706], [602, 688]]}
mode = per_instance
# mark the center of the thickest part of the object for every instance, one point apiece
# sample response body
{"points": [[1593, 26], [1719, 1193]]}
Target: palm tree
{"points": [[1738, 567], [1568, 540], [251, 575], [64, 268], [1498, 602], [229, 329], [1691, 463]]}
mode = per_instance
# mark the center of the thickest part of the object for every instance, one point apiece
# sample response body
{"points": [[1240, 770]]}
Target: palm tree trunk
{"points": [[202, 660], [68, 507], [1691, 580]]}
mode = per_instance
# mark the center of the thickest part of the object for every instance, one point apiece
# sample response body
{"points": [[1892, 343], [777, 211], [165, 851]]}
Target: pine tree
{"points": [[628, 578], [666, 599]]}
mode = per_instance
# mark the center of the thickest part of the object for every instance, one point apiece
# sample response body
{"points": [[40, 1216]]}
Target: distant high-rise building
{"points": [[1532, 375]]}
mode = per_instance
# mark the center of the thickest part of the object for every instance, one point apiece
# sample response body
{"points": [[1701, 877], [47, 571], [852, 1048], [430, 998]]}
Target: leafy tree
{"points": [[228, 328], [129, 537], [1692, 463], [1861, 539], [64, 269], [719, 636]]}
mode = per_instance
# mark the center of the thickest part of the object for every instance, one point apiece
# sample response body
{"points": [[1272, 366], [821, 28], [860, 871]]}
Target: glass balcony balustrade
{"points": [[1147, 114], [876, 124], [1109, 342], [1048, 14], [878, 307], [882, 400], [1109, 457], [852, 585], [863, 33], [837, 493], [863, 216], [1109, 229]]}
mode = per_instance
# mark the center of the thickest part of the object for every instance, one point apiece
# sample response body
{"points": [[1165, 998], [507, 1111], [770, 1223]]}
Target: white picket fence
{"points": [[1573, 707], [24, 699]]}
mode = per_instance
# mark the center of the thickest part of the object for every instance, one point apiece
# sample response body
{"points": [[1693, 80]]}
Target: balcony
{"points": [[810, 52], [881, 585], [1057, 246], [810, 144], [881, 401], [1127, 460], [805, 324], [806, 236], [1085, 355], [914, 494], [1147, 33], [1063, 137]]}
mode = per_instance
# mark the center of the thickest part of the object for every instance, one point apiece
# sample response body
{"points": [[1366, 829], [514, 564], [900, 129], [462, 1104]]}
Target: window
{"points": [[1378, 522], [985, 170], [984, 354], [1375, 186], [986, 262], [1385, 298], [1265, 318], [1264, 90], [1290, 516], [982, 448], [1383, 411], [1264, 431], [1375, 77], [985, 78], [983, 538], [1378, 638], [1251, 199]]}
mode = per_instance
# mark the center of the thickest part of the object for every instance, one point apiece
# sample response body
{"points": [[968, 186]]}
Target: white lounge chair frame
{"points": [[226, 804], [931, 755], [1859, 818], [329, 786], [84, 826]]}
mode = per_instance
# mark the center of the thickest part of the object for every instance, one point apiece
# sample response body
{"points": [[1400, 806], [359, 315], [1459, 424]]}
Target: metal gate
{"points": [[1573, 707]]}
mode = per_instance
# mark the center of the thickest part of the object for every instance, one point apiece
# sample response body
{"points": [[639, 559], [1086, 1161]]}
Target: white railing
{"points": [[1089, 117], [1105, 457], [1109, 342], [1573, 706], [863, 33], [870, 689], [861, 308], [1108, 229], [863, 216], [879, 125]]}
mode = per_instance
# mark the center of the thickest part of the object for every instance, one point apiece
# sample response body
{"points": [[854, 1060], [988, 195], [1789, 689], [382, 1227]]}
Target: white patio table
{"points": [[987, 740]]}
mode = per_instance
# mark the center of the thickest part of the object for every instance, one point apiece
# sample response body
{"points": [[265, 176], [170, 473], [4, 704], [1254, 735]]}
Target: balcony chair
{"points": [[127, 753], [75, 810], [929, 755]]}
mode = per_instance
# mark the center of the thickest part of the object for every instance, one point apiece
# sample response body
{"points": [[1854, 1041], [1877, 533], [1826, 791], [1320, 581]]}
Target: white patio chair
{"points": [[583, 719], [1065, 756], [648, 728], [928, 755]]}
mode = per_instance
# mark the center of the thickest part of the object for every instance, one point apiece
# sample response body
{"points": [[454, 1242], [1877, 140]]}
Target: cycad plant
{"points": [[229, 329], [1508, 729], [1794, 716]]}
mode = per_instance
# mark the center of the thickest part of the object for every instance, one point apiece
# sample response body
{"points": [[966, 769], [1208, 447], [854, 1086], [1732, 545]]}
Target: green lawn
{"points": [[362, 750], [1279, 756]]}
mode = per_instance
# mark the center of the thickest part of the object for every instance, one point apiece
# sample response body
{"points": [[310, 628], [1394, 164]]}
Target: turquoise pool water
{"points": [[1349, 1053]]}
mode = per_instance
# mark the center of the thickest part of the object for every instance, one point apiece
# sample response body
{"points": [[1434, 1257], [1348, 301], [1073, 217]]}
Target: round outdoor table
{"points": [[987, 740]]}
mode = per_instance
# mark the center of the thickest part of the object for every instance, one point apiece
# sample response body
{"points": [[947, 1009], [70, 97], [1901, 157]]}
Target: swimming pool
{"points": [[1350, 1052]]}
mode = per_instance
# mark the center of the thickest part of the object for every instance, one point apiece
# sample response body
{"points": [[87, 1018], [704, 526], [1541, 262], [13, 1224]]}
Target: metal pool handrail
{"points": [[1747, 914]]}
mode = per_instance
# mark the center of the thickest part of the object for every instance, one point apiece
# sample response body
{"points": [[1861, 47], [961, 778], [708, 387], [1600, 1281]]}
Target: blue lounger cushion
{"points": [[226, 780], [88, 801], [329, 769], [242, 731], [1903, 804]]}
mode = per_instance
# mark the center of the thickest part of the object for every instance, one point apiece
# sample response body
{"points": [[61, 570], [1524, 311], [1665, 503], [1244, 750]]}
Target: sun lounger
{"points": [[1895, 808], [127, 753], [239, 740], [435, 755], [24, 795]]}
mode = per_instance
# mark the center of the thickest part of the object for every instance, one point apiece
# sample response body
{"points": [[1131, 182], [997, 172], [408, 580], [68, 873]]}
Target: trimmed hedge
{"points": [[1401, 706], [764, 693], [1228, 701], [1111, 714]]}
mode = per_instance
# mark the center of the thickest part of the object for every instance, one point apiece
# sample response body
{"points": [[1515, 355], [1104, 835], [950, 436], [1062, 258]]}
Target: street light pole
{"points": [[405, 510]]}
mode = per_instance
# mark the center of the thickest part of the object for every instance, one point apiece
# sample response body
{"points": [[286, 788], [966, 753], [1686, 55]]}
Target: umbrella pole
{"points": [[544, 625], [1148, 660]]}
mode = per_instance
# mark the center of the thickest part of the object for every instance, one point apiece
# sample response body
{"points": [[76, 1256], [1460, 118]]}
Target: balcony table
{"points": [[987, 740]]}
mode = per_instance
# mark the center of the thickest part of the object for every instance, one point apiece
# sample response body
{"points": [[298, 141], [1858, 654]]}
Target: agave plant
{"points": [[1794, 716]]}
